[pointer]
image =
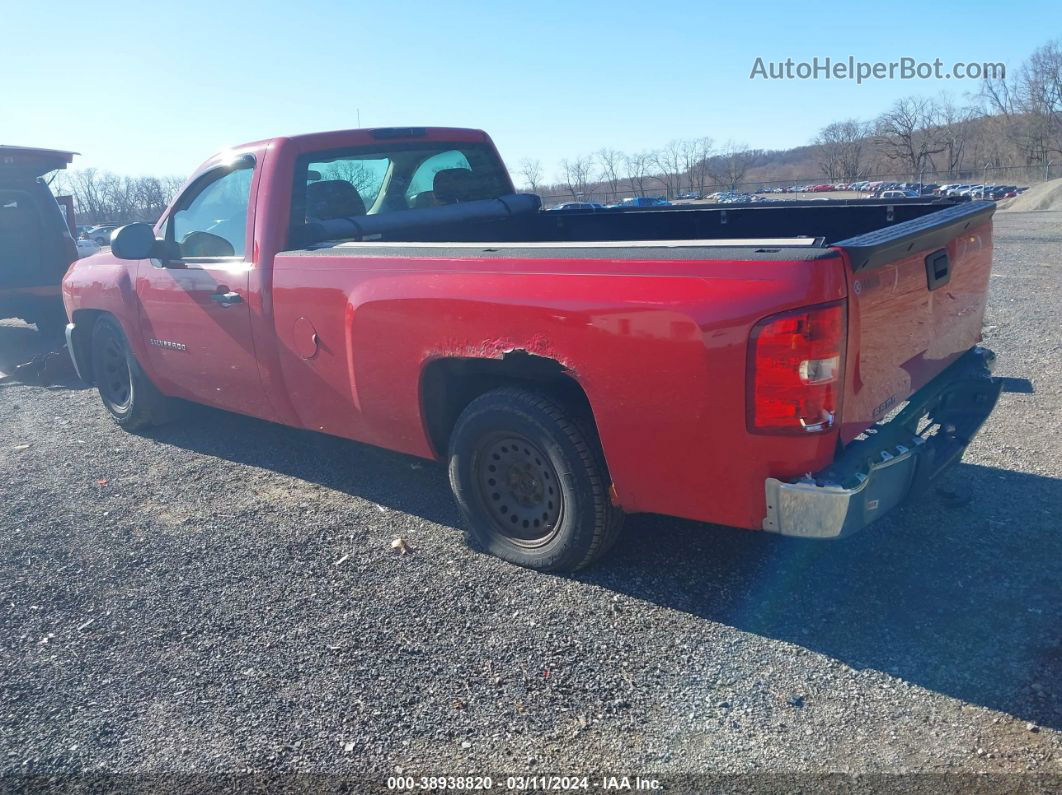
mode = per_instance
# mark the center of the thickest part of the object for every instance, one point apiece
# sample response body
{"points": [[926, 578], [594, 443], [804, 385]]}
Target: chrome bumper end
{"points": [[894, 462]]}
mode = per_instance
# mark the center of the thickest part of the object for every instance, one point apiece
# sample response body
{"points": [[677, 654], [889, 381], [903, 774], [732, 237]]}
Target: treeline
{"points": [[101, 197], [1012, 125]]}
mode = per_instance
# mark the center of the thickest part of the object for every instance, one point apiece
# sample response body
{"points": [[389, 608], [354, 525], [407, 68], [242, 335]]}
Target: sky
{"points": [[156, 88]]}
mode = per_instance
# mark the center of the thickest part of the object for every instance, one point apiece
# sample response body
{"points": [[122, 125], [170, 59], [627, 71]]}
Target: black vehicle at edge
{"points": [[36, 246]]}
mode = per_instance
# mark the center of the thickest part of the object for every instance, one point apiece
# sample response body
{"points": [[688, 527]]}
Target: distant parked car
{"points": [[733, 197], [898, 194], [86, 247], [997, 192], [578, 206], [645, 201], [100, 234]]}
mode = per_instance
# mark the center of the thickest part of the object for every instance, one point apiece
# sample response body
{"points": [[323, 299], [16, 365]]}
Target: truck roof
{"points": [[370, 134], [341, 139]]}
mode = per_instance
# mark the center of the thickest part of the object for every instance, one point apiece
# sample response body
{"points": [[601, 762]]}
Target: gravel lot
{"points": [[223, 596]]}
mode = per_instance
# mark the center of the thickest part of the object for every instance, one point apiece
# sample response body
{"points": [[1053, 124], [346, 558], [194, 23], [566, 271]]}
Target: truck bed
{"points": [[416, 301], [516, 220]]}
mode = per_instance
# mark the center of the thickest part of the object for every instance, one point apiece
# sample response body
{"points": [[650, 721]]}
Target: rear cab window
{"points": [[423, 180], [383, 178]]}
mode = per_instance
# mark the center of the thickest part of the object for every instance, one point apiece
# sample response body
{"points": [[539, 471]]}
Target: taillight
{"points": [[796, 363]]}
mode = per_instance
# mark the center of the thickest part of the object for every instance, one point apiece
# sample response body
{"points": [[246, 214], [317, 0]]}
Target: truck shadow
{"points": [[964, 600]]}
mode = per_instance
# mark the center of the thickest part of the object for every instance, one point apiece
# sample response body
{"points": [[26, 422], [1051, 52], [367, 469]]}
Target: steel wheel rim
{"points": [[519, 489], [115, 381]]}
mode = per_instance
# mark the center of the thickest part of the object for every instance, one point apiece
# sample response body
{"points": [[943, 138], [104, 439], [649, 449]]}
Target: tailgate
{"points": [[917, 293]]}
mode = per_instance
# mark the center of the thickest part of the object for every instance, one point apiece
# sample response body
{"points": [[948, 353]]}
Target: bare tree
{"points": [[88, 199], [636, 168], [151, 196], [909, 134], [171, 186], [668, 163], [577, 177], [610, 163], [102, 197], [695, 154], [1030, 101], [731, 164], [531, 171], [843, 148], [956, 127], [1041, 79]]}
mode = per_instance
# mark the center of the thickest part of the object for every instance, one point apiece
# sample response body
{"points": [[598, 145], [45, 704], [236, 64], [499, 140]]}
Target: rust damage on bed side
{"points": [[506, 349]]}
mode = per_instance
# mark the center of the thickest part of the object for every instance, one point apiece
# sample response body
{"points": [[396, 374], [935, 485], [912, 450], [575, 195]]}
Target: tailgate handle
{"points": [[938, 270]]}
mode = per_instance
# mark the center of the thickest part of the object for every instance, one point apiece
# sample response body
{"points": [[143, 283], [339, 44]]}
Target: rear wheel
{"points": [[531, 482], [127, 393]]}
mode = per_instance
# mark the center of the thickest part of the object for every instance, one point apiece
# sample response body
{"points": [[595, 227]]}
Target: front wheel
{"points": [[531, 482], [127, 393]]}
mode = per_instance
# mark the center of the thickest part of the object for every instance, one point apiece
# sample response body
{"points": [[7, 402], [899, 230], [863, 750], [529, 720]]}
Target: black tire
{"points": [[127, 393], [531, 482]]}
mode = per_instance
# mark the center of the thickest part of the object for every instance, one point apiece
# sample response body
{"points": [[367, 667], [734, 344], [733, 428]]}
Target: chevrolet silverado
{"points": [[794, 367]]}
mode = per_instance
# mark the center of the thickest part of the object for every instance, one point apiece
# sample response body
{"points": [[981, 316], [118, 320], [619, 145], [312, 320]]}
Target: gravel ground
{"points": [[223, 596]]}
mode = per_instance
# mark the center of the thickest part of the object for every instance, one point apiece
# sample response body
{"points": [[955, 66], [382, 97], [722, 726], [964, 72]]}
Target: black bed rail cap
{"points": [[931, 231]]}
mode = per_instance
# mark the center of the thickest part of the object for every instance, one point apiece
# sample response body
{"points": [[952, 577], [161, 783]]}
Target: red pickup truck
{"points": [[728, 364]]}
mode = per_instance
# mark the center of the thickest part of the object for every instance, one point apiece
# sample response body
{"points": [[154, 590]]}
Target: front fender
{"points": [[101, 284]]}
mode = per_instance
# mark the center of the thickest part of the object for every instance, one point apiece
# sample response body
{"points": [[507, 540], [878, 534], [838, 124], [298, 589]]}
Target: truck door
{"points": [[196, 320]]}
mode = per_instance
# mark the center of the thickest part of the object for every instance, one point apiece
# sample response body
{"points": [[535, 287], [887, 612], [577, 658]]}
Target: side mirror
{"points": [[134, 241]]}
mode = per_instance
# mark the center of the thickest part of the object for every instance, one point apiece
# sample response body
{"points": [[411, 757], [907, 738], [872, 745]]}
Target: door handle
{"points": [[226, 298]]}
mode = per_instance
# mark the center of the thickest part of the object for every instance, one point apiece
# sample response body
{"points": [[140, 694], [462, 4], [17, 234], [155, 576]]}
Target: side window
{"points": [[423, 179], [212, 222]]}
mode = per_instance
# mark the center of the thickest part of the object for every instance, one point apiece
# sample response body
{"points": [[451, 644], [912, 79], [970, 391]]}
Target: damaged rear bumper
{"points": [[896, 460]]}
